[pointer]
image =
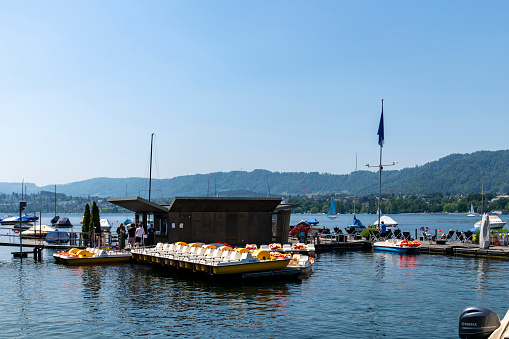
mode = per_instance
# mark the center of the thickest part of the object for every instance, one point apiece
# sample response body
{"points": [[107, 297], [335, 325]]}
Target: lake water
{"points": [[350, 295]]}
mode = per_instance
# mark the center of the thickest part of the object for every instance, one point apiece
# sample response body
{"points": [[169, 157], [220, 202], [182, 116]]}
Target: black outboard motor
{"points": [[477, 323]]}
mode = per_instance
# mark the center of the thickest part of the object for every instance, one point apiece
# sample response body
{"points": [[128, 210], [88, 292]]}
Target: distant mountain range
{"points": [[453, 174]]}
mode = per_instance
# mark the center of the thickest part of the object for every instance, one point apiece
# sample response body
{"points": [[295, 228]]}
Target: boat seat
{"points": [[287, 247], [265, 247], [234, 256], [407, 236], [191, 252], [194, 255], [208, 253], [247, 256]]}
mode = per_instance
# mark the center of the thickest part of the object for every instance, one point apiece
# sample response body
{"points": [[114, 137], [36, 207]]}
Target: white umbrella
{"points": [[484, 236]]}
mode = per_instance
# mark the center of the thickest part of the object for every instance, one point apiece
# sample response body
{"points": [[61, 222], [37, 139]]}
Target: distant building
{"points": [[237, 221]]}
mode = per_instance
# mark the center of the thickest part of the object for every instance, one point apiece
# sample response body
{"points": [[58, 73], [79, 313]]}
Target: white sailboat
{"points": [[471, 213]]}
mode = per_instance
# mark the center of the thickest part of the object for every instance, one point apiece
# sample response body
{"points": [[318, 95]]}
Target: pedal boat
{"points": [[92, 256]]}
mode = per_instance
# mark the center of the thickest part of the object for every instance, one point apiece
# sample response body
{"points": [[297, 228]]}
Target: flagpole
{"points": [[380, 171], [380, 166]]}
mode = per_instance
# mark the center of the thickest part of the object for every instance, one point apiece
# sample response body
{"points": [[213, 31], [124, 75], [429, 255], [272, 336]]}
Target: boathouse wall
{"points": [[235, 228]]}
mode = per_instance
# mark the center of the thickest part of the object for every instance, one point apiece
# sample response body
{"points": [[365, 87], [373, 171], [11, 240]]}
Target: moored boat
{"points": [[356, 226], [332, 210], [471, 213], [224, 260], [15, 221], [57, 237], [398, 246], [92, 256], [61, 222], [39, 231], [495, 222]]}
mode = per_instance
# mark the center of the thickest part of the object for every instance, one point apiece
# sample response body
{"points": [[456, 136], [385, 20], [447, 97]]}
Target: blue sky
{"points": [[229, 85]]}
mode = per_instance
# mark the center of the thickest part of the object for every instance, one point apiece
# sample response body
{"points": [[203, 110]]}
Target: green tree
{"points": [[86, 221], [95, 225]]}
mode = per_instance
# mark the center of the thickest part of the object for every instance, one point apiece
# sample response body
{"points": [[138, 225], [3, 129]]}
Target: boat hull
{"points": [[395, 247], [114, 259], [391, 249], [236, 268]]}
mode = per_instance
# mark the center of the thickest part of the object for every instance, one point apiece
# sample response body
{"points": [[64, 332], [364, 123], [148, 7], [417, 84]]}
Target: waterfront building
{"points": [[237, 221]]}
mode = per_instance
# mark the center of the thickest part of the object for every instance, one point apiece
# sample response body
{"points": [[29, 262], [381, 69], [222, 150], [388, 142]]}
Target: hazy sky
{"points": [[230, 85]]}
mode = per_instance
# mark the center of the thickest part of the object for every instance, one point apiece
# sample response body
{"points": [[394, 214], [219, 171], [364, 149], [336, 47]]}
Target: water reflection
{"points": [[357, 294], [482, 271], [380, 259]]}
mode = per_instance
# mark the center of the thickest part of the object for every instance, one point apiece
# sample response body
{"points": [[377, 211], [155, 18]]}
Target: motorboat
{"points": [[92, 256], [39, 231], [495, 222], [356, 226], [15, 221], [62, 223], [398, 246], [388, 221], [57, 237]]}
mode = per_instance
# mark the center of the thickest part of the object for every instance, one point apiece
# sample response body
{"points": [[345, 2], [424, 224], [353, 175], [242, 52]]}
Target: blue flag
{"points": [[381, 130]]}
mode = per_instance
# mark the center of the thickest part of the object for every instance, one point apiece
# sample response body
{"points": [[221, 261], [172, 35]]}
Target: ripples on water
{"points": [[350, 295]]}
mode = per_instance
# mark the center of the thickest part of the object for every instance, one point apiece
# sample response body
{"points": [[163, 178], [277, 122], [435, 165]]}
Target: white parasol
{"points": [[484, 236]]}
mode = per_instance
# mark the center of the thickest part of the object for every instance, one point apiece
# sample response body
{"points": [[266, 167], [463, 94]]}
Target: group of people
{"points": [[135, 235]]}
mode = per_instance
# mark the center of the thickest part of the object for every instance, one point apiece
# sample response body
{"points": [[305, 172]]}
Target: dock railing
{"points": [[76, 239]]}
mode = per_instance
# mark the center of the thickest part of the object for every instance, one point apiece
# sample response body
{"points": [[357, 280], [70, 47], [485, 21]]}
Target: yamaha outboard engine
{"points": [[477, 323]]}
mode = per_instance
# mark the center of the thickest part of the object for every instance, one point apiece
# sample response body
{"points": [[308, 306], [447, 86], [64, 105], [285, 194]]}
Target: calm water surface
{"points": [[350, 295]]}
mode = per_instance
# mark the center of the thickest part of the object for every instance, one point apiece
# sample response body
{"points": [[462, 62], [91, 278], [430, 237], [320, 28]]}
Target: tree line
{"points": [[395, 204]]}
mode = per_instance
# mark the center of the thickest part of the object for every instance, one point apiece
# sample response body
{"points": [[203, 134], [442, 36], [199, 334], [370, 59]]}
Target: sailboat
{"points": [[332, 210], [471, 213]]}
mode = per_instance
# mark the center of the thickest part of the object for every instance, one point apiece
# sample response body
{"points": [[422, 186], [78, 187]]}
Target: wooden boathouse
{"points": [[237, 221]]}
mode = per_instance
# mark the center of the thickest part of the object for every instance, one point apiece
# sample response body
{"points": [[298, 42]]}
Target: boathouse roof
{"points": [[222, 204], [199, 204], [138, 205]]}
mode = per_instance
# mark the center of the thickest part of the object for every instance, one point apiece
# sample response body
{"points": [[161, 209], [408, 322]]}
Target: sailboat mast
{"points": [[482, 197], [355, 185], [150, 175]]}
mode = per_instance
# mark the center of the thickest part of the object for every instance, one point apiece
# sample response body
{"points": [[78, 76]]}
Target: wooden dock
{"points": [[466, 249]]}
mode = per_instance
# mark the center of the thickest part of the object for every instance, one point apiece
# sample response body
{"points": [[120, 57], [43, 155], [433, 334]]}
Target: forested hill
{"points": [[454, 174]]}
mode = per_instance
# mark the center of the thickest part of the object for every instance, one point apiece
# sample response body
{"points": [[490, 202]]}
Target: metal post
{"points": [[22, 205]]}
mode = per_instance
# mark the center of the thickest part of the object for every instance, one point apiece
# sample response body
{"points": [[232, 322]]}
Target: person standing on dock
{"points": [[383, 230], [140, 232], [151, 235], [132, 234], [122, 234]]}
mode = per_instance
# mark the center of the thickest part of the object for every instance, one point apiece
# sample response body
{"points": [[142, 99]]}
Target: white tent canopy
{"points": [[388, 221]]}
